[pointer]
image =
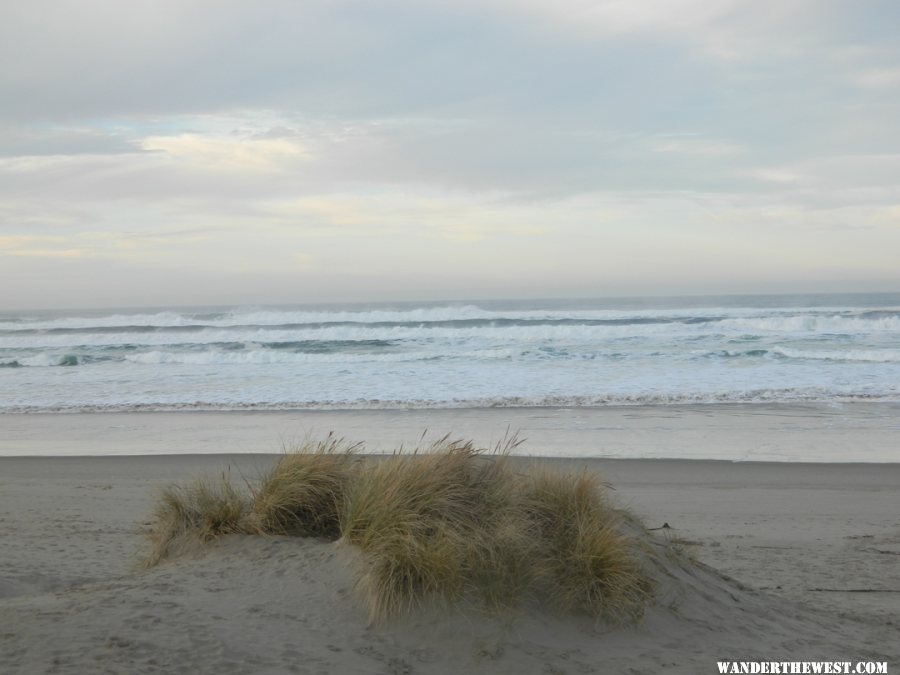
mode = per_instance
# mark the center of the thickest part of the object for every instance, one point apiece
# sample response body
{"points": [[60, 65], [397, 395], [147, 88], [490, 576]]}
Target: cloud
{"points": [[21, 246], [879, 78], [867, 178], [228, 154], [457, 217], [22, 140], [46, 253], [401, 141], [727, 30], [699, 146]]}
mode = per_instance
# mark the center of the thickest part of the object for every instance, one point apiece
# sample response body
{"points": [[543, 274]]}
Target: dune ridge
{"points": [[435, 526]]}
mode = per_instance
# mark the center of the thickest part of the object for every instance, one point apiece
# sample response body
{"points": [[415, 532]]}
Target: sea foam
{"points": [[572, 353]]}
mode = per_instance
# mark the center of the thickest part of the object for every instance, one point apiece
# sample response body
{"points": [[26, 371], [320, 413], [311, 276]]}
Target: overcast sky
{"points": [[223, 152]]}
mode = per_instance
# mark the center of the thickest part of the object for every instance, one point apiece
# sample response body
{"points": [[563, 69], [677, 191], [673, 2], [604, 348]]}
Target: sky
{"points": [[191, 152]]}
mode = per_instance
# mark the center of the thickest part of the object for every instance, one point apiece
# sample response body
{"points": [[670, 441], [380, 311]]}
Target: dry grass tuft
{"points": [[435, 526], [194, 513], [416, 517], [586, 562], [303, 493]]}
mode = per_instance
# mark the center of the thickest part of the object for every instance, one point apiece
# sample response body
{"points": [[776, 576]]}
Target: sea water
{"points": [[562, 353]]}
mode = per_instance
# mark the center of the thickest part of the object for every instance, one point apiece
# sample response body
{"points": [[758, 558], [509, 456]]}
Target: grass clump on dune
{"points": [[303, 493], [448, 523], [193, 513], [425, 522], [586, 562]]}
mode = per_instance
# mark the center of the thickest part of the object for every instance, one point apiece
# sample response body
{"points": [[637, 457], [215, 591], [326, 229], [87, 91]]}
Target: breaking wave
{"points": [[555, 354]]}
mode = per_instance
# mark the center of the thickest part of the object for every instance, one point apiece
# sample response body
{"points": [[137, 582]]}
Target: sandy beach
{"points": [[782, 432], [777, 561]]}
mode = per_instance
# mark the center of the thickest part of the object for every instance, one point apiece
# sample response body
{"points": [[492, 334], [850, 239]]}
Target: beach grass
{"points": [[586, 562], [192, 513], [435, 526], [426, 523], [303, 493]]}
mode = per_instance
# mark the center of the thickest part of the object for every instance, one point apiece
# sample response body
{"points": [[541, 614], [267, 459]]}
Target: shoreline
{"points": [[858, 432]]}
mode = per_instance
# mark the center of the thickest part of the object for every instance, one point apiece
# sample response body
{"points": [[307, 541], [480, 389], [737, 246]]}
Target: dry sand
{"points": [[71, 602]]}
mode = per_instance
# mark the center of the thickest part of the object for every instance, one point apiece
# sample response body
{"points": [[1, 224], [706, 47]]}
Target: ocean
{"points": [[542, 353]]}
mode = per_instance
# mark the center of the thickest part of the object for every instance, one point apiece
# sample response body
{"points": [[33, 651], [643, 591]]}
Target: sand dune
{"points": [[72, 602]]}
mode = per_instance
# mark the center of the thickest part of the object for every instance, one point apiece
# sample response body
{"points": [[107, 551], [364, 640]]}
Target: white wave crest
{"points": [[861, 355], [833, 324], [47, 360], [807, 395], [411, 334], [277, 317], [268, 356], [112, 320]]}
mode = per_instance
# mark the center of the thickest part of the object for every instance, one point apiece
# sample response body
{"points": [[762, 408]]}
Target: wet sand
{"points": [[852, 432]]}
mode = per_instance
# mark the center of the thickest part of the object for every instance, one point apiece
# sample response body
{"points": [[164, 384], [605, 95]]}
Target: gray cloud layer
{"points": [[319, 125]]}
